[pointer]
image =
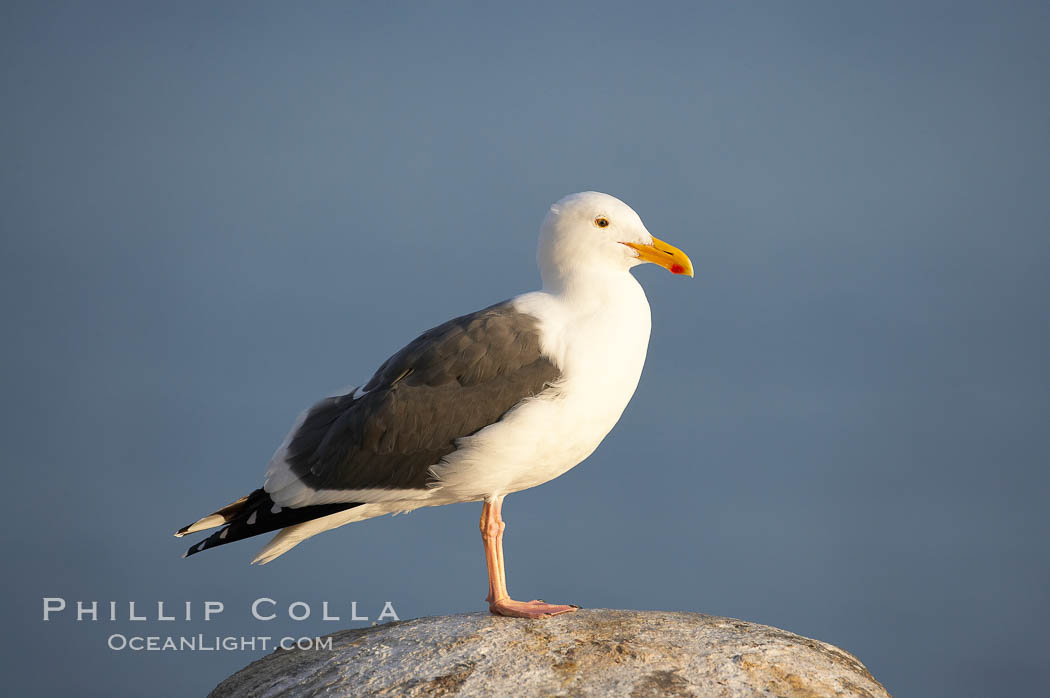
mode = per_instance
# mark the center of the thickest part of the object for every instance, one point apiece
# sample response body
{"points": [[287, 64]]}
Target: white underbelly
{"points": [[537, 442], [544, 437]]}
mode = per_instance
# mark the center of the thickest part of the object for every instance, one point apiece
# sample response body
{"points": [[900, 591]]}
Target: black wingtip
{"points": [[209, 542], [258, 514]]}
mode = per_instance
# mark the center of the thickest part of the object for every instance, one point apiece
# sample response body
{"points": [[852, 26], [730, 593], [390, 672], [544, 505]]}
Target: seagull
{"points": [[486, 404]]}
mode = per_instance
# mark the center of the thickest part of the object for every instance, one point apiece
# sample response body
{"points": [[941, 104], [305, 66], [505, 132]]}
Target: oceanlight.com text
{"points": [[215, 643]]}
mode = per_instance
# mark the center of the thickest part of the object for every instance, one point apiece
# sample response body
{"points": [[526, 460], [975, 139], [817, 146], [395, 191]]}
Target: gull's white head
{"points": [[591, 231]]}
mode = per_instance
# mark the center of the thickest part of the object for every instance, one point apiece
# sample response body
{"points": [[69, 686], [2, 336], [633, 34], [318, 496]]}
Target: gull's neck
{"points": [[591, 286], [610, 297]]}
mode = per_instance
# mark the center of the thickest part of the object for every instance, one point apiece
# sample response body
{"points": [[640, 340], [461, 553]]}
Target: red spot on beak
{"points": [[677, 269]]}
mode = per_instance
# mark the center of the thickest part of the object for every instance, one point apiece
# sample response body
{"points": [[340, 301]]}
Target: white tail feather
{"points": [[210, 521], [288, 538]]}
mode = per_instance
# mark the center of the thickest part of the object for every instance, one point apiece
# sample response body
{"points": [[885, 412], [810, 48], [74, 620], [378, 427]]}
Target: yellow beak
{"points": [[667, 256]]}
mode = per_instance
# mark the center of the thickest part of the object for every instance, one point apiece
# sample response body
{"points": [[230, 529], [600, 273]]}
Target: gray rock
{"points": [[587, 653]]}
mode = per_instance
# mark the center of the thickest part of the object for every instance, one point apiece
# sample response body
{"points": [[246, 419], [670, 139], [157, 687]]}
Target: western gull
{"points": [[486, 404]]}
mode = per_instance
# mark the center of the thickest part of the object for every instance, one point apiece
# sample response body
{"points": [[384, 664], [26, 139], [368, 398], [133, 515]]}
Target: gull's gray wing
{"points": [[448, 383]]}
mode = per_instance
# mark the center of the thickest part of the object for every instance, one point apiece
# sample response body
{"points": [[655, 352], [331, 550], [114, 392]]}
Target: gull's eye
{"points": [[601, 222]]}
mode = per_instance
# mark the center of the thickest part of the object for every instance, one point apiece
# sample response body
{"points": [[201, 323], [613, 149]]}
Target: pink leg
{"points": [[500, 603]]}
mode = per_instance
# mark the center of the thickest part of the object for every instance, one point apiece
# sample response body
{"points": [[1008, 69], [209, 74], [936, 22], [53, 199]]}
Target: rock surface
{"points": [[587, 653]]}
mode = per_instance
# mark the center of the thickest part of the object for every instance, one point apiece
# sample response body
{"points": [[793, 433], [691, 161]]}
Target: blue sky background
{"points": [[214, 214]]}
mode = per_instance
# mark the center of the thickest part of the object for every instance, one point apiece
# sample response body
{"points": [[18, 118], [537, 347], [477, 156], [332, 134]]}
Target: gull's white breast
{"points": [[599, 341]]}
